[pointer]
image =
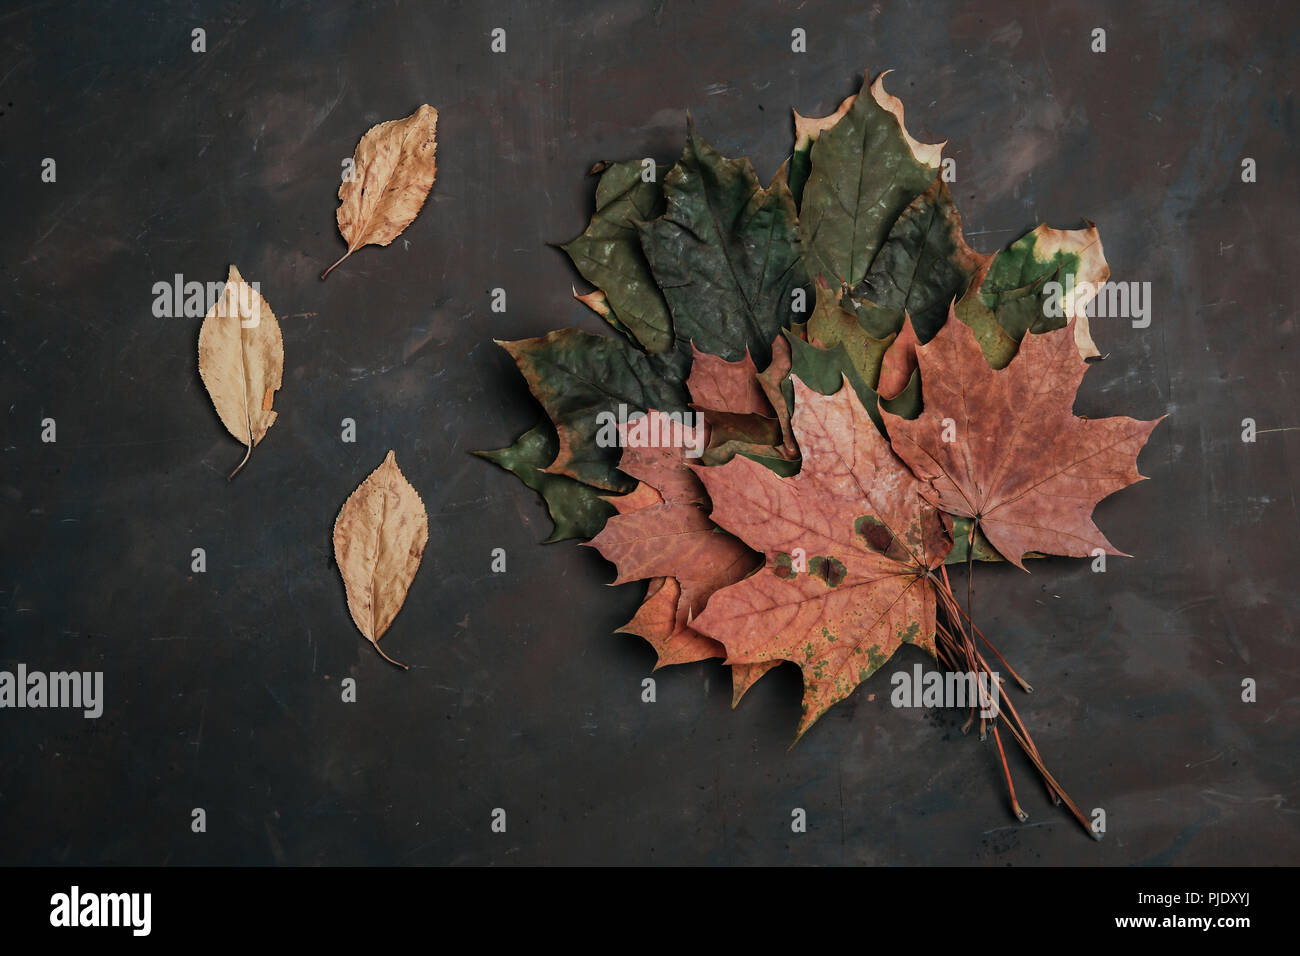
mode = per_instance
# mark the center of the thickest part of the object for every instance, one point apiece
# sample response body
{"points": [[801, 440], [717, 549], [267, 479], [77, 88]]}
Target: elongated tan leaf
{"points": [[241, 361], [379, 539], [393, 171]]}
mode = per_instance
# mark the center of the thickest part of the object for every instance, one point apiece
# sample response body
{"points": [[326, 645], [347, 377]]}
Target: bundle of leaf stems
{"points": [[956, 649]]}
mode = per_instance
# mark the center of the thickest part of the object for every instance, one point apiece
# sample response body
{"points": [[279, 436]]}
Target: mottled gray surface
{"points": [[222, 688]]}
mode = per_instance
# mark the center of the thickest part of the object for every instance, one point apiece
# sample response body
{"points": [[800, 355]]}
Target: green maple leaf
{"points": [[806, 131], [1008, 299], [923, 264], [833, 322], [609, 256], [577, 376], [725, 253], [823, 370], [577, 510], [865, 171]]}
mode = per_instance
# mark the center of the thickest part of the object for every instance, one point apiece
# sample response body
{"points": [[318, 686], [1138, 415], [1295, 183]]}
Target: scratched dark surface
{"points": [[222, 688]]}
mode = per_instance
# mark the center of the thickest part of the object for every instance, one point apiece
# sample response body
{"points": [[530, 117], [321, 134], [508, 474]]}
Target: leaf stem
{"points": [[955, 648], [1024, 684], [1011, 787], [247, 455], [387, 658], [331, 268]]}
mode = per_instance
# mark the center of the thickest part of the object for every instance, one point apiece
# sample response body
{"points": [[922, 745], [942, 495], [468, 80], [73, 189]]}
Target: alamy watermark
{"points": [[75, 908], [636, 429], [1113, 300], [78, 690], [179, 299], [960, 689]]}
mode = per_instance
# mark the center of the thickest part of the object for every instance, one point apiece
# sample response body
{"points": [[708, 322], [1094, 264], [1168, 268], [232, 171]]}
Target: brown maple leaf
{"points": [[663, 532], [742, 406], [656, 621], [642, 496], [731, 387], [1006, 449], [849, 546]]}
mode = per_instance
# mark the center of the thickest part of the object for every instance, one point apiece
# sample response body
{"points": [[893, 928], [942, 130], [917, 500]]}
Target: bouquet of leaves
{"points": [[816, 397]]}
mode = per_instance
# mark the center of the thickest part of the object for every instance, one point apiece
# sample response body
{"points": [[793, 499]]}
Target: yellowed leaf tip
{"points": [[929, 154]]}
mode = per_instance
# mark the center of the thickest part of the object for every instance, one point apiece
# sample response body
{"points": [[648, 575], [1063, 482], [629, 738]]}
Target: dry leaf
{"points": [[931, 154], [849, 544], [379, 538], [241, 361], [731, 387], [744, 409], [899, 362], [1007, 297], [1091, 272], [663, 523], [1004, 447], [865, 171], [393, 171], [808, 128], [671, 536]]}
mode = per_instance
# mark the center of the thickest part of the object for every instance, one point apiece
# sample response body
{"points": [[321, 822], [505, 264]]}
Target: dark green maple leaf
{"points": [[609, 256], [806, 131], [726, 254], [577, 510], [581, 379], [922, 266], [865, 172]]}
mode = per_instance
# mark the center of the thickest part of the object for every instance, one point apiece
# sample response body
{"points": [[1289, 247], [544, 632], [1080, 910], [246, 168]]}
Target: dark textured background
{"points": [[223, 688]]}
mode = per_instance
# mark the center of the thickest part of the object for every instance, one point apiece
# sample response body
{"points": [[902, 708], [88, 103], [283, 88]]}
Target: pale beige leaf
{"points": [[241, 360], [393, 171], [379, 539]]}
